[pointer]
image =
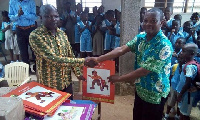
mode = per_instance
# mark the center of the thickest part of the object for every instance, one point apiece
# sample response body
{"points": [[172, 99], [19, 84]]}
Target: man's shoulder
{"points": [[141, 35], [164, 42], [37, 31], [29, 0]]}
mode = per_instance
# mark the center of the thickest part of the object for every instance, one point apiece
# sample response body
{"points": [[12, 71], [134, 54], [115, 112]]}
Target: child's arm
{"points": [[81, 29], [95, 29], [89, 27], [185, 88], [7, 28], [170, 35], [190, 72], [104, 26], [73, 18], [192, 33]]}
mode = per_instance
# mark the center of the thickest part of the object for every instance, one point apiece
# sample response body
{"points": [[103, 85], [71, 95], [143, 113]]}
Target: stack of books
{"points": [[73, 111], [39, 100]]}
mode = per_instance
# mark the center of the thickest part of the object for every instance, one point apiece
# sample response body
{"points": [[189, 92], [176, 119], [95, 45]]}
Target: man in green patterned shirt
{"points": [[54, 56], [153, 53]]}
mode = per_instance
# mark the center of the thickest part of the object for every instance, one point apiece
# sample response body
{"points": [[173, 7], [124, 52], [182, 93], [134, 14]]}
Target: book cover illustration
{"points": [[39, 98], [96, 87], [97, 82], [69, 111]]}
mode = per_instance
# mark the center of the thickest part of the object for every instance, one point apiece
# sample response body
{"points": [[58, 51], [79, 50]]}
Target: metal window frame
{"points": [[81, 1]]}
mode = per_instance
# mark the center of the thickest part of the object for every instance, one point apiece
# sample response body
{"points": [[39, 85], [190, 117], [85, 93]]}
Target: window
{"points": [[90, 3], [178, 6], [52, 2]]}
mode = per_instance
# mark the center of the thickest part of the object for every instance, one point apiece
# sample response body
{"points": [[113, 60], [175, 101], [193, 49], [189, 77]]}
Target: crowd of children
{"points": [[185, 42], [94, 33]]}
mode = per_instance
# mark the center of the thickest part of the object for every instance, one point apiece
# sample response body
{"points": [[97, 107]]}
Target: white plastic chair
{"points": [[16, 74]]}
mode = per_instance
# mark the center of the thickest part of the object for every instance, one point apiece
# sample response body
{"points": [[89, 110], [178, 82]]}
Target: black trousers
{"points": [[69, 90], [146, 111], [23, 42]]}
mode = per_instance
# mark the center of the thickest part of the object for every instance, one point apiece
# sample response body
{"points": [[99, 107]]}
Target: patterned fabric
{"points": [[155, 56], [29, 9], [54, 58]]}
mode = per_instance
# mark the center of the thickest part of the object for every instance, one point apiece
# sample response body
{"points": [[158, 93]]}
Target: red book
{"points": [[39, 97], [96, 87]]}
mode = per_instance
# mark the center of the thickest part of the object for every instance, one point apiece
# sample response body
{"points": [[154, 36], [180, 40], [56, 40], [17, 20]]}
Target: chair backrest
{"points": [[16, 73]]}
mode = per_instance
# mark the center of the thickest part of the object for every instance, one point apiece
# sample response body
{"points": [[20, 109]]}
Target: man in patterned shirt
{"points": [[54, 56], [153, 53]]}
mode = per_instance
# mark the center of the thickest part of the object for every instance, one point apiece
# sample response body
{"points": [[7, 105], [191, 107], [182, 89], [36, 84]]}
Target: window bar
{"points": [[193, 5]]}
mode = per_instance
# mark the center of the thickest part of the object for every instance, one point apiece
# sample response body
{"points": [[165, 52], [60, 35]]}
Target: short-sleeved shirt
{"points": [[190, 40], [174, 37], [155, 56], [191, 71], [169, 22]]}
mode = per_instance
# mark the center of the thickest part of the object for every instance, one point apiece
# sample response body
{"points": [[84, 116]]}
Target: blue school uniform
{"points": [[174, 37], [169, 22], [174, 59], [181, 29], [197, 25], [185, 108], [190, 40], [109, 41], [77, 33], [85, 38], [176, 78], [117, 39]]}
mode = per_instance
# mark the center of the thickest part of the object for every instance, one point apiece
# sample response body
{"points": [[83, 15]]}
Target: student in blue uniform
{"points": [[175, 32], [180, 42], [108, 25], [184, 88], [117, 28], [178, 17], [79, 10], [85, 39], [189, 34]]}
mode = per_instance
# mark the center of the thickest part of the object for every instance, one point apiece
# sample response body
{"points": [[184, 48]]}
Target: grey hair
{"points": [[44, 9]]}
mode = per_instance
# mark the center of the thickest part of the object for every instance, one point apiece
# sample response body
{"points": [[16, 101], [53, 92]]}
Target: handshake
{"points": [[91, 62]]}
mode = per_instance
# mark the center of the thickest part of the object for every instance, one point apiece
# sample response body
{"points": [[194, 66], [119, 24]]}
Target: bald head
{"points": [[157, 11], [191, 47]]}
